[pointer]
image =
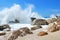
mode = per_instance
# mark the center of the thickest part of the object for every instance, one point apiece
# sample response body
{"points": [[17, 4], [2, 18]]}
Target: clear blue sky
{"points": [[43, 7]]}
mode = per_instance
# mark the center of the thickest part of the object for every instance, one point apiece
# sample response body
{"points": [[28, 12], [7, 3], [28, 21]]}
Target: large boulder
{"points": [[58, 21], [26, 30], [20, 32], [58, 27], [51, 20], [52, 27], [40, 22], [14, 35], [5, 26]]}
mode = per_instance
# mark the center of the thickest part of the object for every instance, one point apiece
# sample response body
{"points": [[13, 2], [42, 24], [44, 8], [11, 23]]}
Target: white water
{"points": [[16, 12], [17, 26]]}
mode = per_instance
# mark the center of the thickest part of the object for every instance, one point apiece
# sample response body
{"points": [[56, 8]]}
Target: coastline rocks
{"points": [[52, 27], [14, 35], [5, 26], [2, 33], [39, 22], [26, 30], [58, 22], [15, 21], [20, 32], [36, 27], [42, 33], [51, 20], [58, 27]]}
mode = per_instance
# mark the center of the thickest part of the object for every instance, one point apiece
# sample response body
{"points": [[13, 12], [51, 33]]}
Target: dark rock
{"points": [[2, 27], [2, 33], [40, 22], [36, 27]]}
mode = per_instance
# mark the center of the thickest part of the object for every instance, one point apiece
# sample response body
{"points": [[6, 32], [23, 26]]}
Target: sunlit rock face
{"points": [[52, 27], [51, 20], [40, 22], [20, 32]]}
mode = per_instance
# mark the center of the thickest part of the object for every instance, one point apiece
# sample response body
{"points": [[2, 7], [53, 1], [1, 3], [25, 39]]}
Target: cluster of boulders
{"points": [[53, 26], [20, 32]]}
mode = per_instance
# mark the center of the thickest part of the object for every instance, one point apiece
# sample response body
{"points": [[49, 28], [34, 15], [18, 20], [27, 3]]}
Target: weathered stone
{"points": [[52, 27], [58, 22], [51, 20], [36, 27], [5, 26], [42, 33], [58, 27], [14, 35], [40, 22], [2, 33], [26, 30]]}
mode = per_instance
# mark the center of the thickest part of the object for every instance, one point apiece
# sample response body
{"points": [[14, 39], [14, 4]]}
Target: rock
{"points": [[2, 33], [26, 30], [32, 19], [51, 20], [52, 27], [15, 21], [58, 22], [36, 27], [14, 35], [39, 22], [58, 27], [42, 33], [5, 26], [20, 32]]}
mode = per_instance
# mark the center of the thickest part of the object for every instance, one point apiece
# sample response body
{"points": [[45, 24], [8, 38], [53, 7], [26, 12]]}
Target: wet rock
{"points": [[5, 26], [15, 21], [39, 22], [42, 33], [36, 27]]}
